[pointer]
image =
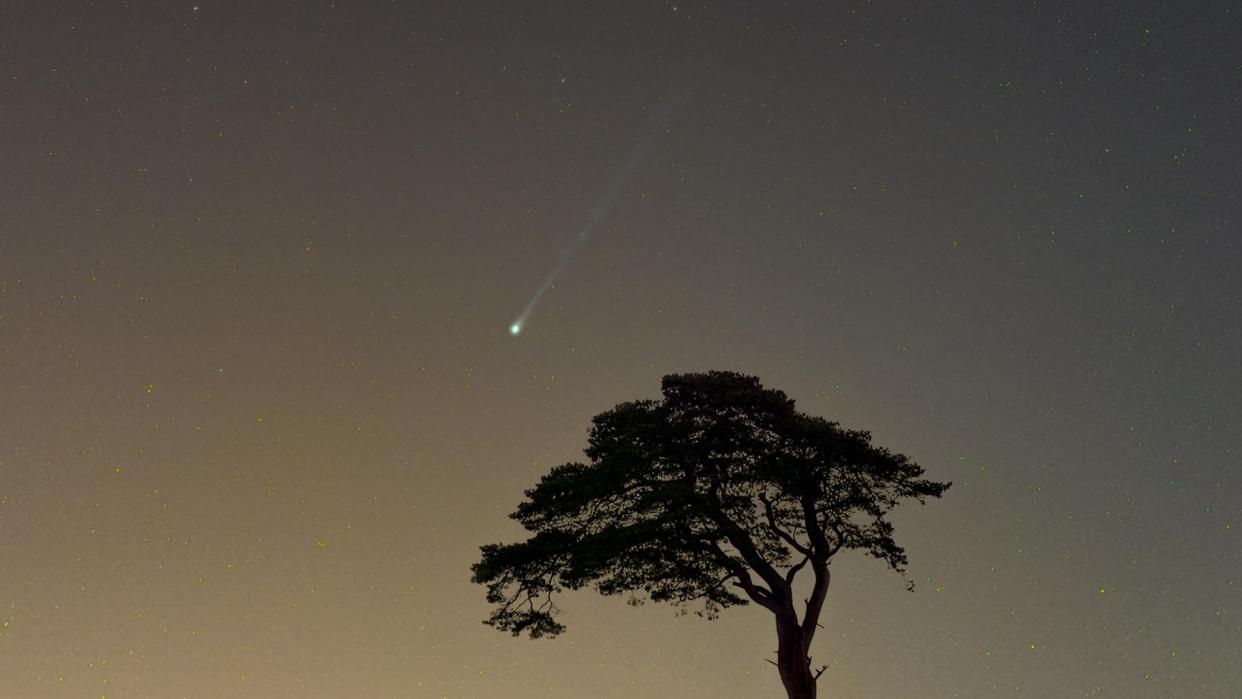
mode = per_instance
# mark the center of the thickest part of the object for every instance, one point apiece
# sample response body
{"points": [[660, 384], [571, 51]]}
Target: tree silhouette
{"points": [[721, 493]]}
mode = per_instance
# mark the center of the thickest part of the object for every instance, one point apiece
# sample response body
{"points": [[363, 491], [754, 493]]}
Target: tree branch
{"points": [[785, 536], [814, 532], [815, 603], [746, 547], [819, 541], [761, 595], [840, 542], [789, 575]]}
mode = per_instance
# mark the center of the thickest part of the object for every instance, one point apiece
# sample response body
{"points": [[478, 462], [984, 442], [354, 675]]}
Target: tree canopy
{"points": [[719, 494]]}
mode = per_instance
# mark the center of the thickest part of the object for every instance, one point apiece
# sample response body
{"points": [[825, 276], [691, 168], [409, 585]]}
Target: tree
{"points": [[721, 493]]}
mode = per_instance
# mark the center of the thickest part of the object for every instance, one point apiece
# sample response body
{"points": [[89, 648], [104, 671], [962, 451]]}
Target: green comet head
{"points": [[515, 329]]}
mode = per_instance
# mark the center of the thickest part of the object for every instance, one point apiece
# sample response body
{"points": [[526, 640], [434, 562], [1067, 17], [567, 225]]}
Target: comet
{"points": [[601, 209]]}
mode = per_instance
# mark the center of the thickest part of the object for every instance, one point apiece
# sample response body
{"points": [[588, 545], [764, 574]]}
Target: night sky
{"points": [[259, 264]]}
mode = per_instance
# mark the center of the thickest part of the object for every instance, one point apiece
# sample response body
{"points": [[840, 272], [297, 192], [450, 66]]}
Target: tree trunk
{"points": [[792, 660]]}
